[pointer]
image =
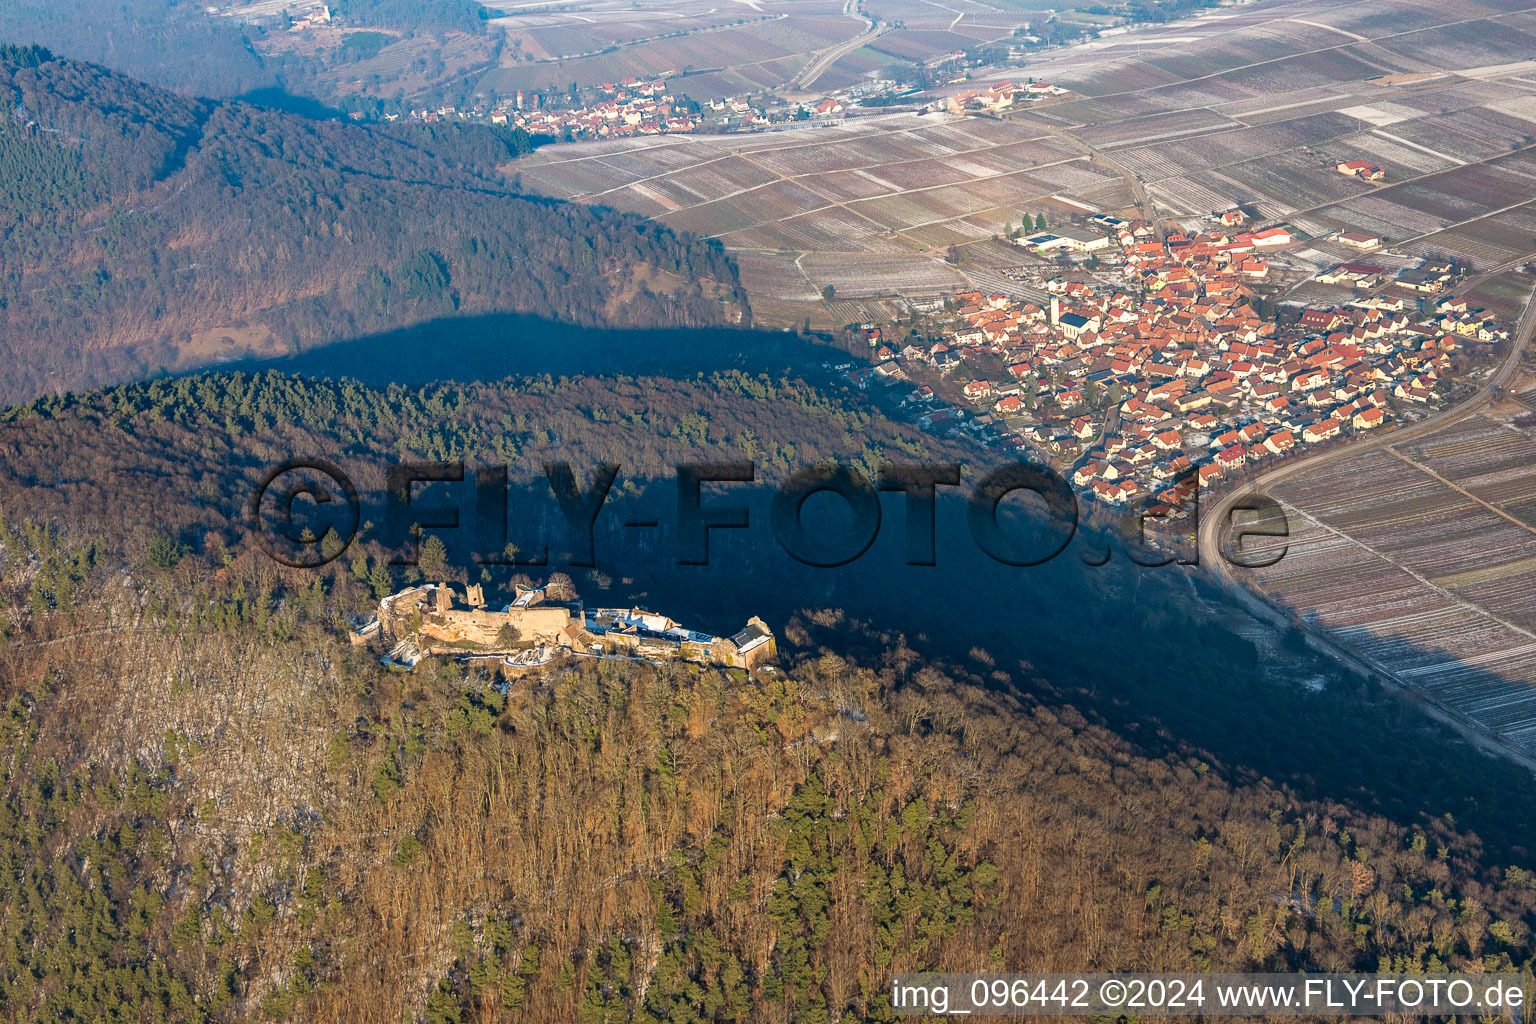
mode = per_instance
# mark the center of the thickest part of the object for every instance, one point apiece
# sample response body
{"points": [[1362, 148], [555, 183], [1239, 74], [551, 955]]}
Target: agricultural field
{"points": [[1422, 558], [1253, 105], [750, 46], [867, 206], [923, 29], [1258, 104], [1505, 294], [708, 52]]}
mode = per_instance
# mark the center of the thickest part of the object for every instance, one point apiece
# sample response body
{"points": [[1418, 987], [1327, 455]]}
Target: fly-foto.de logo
{"points": [[307, 512]]}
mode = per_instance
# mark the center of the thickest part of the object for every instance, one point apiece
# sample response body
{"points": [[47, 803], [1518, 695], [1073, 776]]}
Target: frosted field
{"points": [[1423, 559], [1256, 106]]}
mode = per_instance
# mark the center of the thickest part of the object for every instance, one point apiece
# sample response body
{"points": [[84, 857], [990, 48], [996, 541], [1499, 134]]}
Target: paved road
{"points": [[826, 58]]}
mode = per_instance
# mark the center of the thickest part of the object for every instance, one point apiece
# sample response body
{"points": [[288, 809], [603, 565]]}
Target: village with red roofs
{"points": [[619, 110], [635, 107], [1162, 377]]}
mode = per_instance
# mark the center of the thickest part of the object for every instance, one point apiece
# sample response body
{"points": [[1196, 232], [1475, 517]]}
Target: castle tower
{"points": [[443, 597]]}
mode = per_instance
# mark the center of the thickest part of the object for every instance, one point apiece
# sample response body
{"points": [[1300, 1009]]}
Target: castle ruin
{"points": [[532, 630]]}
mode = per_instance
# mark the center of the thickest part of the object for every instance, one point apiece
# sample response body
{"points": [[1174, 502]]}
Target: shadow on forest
{"points": [[276, 98], [1128, 646], [495, 346]]}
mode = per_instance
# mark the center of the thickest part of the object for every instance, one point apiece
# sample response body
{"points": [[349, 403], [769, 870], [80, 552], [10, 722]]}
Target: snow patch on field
{"points": [[1073, 202], [1381, 115], [654, 196], [1149, 41], [973, 168]]}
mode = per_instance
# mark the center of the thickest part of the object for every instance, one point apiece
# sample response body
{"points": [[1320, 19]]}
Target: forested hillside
{"points": [[213, 808], [170, 465], [140, 230], [171, 43]]}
